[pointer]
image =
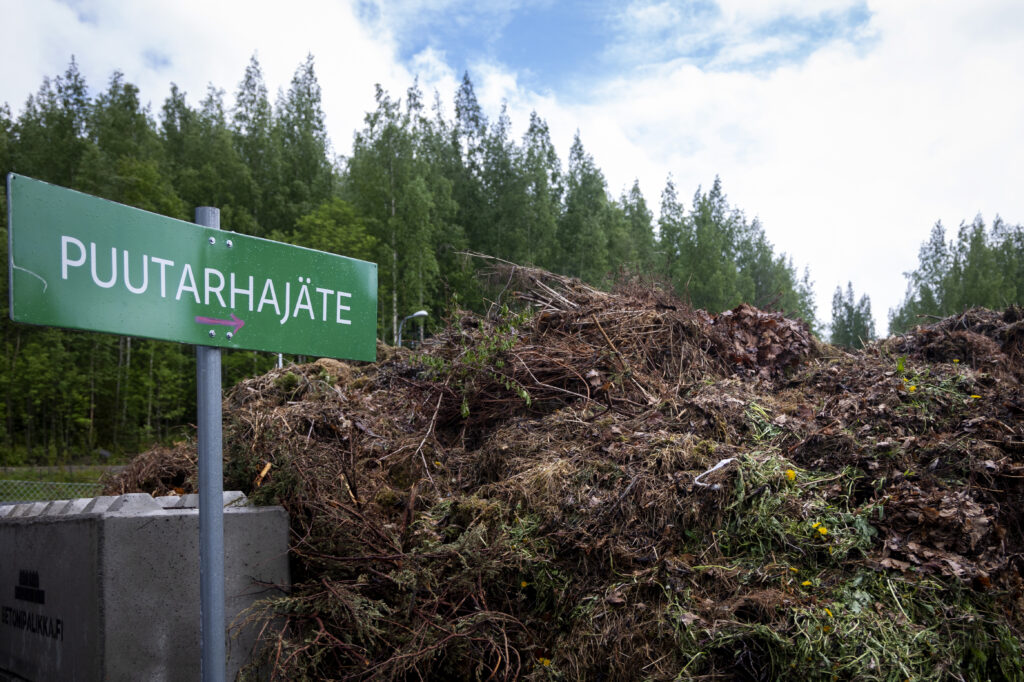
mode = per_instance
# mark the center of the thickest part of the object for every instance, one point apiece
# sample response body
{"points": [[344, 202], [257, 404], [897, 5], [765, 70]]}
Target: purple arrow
{"points": [[235, 322]]}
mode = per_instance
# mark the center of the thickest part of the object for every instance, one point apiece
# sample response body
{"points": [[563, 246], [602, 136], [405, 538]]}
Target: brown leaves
{"points": [[759, 343], [937, 530]]}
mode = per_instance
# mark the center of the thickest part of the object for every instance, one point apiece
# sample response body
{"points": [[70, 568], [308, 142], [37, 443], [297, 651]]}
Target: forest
{"points": [[420, 189]]}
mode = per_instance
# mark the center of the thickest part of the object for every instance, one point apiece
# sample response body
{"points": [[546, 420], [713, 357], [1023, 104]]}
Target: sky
{"points": [[847, 127]]}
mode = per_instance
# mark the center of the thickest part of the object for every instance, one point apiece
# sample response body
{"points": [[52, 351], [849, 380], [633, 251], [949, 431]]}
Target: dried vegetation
{"points": [[586, 485]]}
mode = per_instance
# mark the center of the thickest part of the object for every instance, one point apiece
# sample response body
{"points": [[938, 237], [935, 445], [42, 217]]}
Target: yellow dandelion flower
{"points": [[829, 613], [815, 524], [545, 661], [790, 474], [823, 530], [976, 397], [806, 583], [524, 584], [794, 569], [911, 388], [437, 463], [956, 361]]}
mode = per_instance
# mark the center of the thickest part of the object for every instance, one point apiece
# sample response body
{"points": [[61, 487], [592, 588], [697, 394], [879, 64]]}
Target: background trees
{"points": [[419, 187], [983, 266], [852, 323]]}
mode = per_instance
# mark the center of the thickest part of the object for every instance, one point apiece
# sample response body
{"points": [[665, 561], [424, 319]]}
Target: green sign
{"points": [[86, 263]]}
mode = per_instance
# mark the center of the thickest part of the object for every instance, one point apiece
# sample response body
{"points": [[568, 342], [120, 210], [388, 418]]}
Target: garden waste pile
{"points": [[590, 485]]}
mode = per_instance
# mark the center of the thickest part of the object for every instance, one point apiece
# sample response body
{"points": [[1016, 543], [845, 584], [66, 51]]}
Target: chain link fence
{"points": [[36, 491]]}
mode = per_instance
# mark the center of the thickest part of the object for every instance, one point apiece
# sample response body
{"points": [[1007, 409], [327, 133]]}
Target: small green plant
{"points": [[760, 423], [487, 358], [287, 382]]}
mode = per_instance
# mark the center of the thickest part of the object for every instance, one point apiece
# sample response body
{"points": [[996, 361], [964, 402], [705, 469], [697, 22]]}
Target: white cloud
{"points": [[203, 42], [757, 11], [746, 52], [849, 157]]}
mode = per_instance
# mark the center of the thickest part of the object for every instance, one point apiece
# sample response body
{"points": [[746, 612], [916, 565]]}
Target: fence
{"points": [[35, 491]]}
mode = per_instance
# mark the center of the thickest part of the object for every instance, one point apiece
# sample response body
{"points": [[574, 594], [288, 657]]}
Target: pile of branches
{"points": [[627, 349], [584, 484]]}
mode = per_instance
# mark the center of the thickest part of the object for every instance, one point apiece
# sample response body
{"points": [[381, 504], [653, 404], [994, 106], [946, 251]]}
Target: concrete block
{"points": [[134, 503], [53, 508], [99, 504], [76, 506], [108, 588], [190, 501], [28, 508]]}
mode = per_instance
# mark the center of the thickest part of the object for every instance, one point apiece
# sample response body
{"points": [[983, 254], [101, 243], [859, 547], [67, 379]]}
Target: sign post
{"points": [[211, 497], [82, 262]]}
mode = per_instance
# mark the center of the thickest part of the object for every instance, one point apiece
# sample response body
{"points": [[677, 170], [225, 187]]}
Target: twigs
{"points": [[430, 430], [518, 530]]}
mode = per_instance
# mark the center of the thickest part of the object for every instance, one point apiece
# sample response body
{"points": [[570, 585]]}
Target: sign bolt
{"points": [[212, 241], [212, 333], [229, 243], [229, 335]]}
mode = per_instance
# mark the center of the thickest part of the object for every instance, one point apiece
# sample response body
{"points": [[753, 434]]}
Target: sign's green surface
{"points": [[86, 263]]}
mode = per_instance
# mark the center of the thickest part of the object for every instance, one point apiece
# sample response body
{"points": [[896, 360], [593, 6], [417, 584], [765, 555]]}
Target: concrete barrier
{"points": [[107, 588]]}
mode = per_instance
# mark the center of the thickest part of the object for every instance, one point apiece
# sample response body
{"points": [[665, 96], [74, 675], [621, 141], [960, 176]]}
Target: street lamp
{"points": [[418, 313]]}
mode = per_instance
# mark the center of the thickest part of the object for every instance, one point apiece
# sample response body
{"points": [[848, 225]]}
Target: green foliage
{"points": [[983, 266], [337, 228], [718, 259], [852, 323], [66, 394], [583, 231], [396, 185], [542, 173], [639, 233], [418, 189], [301, 133], [483, 362], [252, 129]]}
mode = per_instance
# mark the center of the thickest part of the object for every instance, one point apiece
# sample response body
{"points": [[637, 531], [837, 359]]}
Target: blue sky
{"points": [[568, 46], [847, 126], [553, 45]]}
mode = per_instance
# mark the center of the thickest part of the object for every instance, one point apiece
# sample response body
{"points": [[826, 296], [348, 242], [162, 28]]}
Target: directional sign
{"points": [[86, 263]]}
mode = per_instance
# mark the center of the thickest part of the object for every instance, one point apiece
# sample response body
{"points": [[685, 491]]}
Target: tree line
{"points": [[982, 266], [419, 188]]}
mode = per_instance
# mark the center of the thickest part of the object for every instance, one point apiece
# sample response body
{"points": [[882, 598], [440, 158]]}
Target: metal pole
{"points": [[211, 498], [418, 313]]}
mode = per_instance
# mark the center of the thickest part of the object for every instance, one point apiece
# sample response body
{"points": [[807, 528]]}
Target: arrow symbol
{"points": [[235, 322]]}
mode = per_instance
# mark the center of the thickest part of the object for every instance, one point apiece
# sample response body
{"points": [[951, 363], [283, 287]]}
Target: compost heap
{"points": [[613, 486]]}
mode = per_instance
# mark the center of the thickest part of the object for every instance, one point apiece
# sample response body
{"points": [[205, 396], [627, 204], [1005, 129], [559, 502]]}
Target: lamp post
{"points": [[418, 313]]}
